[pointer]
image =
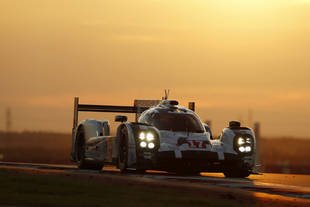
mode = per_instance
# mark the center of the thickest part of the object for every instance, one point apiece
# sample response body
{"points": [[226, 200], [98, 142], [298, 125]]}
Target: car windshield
{"points": [[177, 122]]}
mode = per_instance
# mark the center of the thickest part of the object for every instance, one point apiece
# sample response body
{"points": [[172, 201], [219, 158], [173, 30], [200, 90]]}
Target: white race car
{"points": [[164, 136]]}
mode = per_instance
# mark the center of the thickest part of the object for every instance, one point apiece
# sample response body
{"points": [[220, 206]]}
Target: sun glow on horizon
{"points": [[228, 56]]}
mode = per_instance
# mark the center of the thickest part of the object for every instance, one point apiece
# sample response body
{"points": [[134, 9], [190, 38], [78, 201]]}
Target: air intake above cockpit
{"points": [[169, 103]]}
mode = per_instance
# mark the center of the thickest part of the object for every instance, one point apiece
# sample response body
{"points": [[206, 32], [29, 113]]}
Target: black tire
{"points": [[80, 149], [82, 163], [236, 173], [123, 151]]}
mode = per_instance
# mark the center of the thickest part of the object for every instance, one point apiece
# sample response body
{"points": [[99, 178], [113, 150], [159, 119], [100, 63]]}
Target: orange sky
{"points": [[228, 56]]}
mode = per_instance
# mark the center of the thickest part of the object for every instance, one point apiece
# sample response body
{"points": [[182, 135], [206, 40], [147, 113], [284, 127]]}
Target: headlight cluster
{"points": [[147, 140], [245, 144]]}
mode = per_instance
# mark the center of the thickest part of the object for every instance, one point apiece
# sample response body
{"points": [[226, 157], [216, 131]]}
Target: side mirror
{"points": [[120, 118], [207, 128]]}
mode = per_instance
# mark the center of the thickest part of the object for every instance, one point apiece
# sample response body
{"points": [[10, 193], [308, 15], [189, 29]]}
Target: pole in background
{"points": [[191, 106], [250, 117], [8, 120], [257, 131]]}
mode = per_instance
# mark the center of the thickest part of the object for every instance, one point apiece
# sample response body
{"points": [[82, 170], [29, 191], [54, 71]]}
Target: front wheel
{"points": [[123, 151]]}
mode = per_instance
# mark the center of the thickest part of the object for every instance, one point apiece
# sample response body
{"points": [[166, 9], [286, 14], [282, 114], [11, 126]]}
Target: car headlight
{"points": [[242, 149], [143, 144], [146, 139], [149, 136], [151, 145], [248, 149], [142, 136], [241, 141], [244, 144]]}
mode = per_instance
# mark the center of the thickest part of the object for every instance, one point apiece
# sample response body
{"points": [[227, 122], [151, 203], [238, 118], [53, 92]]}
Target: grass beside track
{"points": [[22, 189]]}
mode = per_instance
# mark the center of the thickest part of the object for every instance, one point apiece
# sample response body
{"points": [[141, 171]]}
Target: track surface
{"points": [[284, 185]]}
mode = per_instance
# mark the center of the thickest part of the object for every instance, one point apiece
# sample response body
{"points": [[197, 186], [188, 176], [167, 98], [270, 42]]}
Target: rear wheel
{"points": [[82, 163], [80, 152]]}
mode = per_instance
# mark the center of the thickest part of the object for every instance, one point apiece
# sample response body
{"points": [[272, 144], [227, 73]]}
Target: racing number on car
{"points": [[196, 144]]}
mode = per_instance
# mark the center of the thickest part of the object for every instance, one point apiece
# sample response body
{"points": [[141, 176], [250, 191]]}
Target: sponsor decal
{"points": [[196, 144]]}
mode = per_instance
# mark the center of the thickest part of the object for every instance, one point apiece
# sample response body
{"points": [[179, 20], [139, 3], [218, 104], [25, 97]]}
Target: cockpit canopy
{"points": [[165, 120], [177, 122]]}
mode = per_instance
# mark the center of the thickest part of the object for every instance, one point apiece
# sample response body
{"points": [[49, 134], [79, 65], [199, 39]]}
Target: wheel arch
{"points": [[133, 130], [92, 128], [229, 139]]}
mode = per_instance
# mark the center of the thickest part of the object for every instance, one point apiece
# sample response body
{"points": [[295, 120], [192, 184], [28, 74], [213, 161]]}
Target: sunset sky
{"points": [[228, 56]]}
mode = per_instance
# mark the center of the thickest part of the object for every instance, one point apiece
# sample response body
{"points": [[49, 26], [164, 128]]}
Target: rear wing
{"points": [[138, 107], [102, 108]]}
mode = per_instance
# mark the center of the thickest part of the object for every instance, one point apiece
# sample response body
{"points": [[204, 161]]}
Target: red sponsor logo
{"points": [[197, 144]]}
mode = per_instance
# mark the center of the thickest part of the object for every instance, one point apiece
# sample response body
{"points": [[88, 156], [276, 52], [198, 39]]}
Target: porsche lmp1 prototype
{"points": [[165, 136]]}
